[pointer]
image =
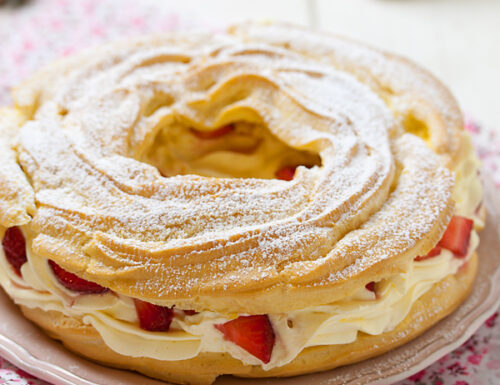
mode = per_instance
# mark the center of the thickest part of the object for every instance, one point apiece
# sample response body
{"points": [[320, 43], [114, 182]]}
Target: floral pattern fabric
{"points": [[476, 362], [42, 30]]}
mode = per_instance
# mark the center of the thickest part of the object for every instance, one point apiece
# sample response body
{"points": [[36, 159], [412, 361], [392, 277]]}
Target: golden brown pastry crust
{"points": [[81, 140], [443, 298], [236, 244]]}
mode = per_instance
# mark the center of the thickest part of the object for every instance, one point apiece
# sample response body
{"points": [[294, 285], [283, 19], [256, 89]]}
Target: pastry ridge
{"points": [[231, 244]]}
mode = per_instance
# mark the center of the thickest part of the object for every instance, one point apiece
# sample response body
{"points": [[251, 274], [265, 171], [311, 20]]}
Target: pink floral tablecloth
{"points": [[34, 34]]}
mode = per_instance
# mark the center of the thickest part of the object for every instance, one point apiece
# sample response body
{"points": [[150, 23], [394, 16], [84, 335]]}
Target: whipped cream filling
{"points": [[251, 151], [468, 190], [114, 316]]}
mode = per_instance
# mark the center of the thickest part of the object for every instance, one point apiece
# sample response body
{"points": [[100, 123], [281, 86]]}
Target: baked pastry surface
{"points": [[151, 169]]}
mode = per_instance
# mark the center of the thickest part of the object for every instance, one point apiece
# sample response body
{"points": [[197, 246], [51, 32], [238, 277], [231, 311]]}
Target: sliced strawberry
{"points": [[457, 236], [72, 282], [14, 247], [253, 333], [153, 317], [370, 286], [286, 173], [214, 134], [433, 253], [190, 312]]}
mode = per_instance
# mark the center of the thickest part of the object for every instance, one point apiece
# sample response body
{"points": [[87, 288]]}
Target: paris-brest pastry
{"points": [[268, 201]]}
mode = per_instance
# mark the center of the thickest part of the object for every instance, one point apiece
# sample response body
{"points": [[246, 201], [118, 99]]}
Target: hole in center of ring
{"points": [[236, 150]]}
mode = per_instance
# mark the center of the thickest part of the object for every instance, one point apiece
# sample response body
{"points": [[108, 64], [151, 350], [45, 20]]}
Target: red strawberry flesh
{"points": [[286, 173], [73, 282], [190, 312], [252, 333], [154, 318], [370, 286], [433, 253], [457, 236], [214, 134], [14, 247]]}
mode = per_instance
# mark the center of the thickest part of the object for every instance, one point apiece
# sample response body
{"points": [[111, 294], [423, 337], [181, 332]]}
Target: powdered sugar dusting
{"points": [[376, 194]]}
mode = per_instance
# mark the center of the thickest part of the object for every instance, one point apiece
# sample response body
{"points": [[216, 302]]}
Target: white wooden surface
{"points": [[294, 11]]}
